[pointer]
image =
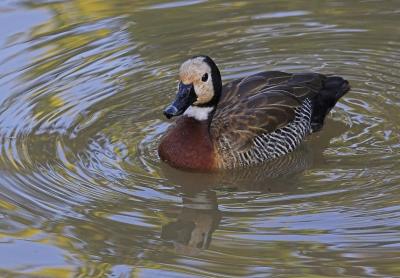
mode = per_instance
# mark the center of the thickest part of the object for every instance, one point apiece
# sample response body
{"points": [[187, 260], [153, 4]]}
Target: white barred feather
{"points": [[268, 146]]}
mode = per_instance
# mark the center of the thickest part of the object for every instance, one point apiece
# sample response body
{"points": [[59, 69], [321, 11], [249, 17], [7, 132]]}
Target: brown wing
{"points": [[259, 104]]}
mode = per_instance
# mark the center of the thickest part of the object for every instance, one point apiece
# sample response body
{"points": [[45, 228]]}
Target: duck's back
{"points": [[267, 115]]}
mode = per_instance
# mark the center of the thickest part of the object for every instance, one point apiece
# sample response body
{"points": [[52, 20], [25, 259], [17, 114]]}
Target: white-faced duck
{"points": [[246, 121]]}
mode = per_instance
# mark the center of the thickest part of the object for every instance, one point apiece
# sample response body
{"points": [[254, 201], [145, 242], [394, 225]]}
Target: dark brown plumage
{"points": [[266, 101]]}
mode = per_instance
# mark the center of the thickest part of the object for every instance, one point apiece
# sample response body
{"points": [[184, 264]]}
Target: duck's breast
{"points": [[188, 145]]}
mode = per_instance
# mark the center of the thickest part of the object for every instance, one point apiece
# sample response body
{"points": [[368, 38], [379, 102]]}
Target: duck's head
{"points": [[199, 89]]}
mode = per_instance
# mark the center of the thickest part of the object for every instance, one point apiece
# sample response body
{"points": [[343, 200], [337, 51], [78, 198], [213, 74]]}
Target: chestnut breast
{"points": [[188, 145]]}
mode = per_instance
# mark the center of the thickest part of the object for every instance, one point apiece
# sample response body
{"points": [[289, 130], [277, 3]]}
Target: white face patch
{"points": [[199, 113], [191, 72]]}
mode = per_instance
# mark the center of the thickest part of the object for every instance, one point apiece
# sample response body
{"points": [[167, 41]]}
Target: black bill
{"points": [[184, 98]]}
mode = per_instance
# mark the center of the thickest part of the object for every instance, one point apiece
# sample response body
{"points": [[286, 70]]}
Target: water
{"points": [[83, 193]]}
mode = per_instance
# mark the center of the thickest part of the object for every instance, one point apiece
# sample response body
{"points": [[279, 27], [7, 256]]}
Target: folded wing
{"points": [[261, 104]]}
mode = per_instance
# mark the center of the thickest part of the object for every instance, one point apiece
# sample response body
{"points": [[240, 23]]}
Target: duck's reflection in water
{"points": [[199, 217], [195, 224]]}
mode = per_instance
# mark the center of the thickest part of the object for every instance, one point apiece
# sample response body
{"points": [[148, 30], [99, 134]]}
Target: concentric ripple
{"points": [[84, 194]]}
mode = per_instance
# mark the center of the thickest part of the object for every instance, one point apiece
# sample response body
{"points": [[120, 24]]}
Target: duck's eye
{"points": [[205, 77]]}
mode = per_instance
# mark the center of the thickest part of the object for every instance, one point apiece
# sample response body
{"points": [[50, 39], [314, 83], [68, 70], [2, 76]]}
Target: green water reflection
{"points": [[83, 193]]}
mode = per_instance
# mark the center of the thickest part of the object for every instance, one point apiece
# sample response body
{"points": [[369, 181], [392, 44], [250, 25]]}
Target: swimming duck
{"points": [[246, 121]]}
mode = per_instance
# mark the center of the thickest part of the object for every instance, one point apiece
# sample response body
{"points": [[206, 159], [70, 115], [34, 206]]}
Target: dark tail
{"points": [[334, 88]]}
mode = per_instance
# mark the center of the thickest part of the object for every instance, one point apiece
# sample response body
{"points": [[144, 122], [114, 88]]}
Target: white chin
{"points": [[199, 113]]}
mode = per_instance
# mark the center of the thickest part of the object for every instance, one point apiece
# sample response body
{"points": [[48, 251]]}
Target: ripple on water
{"points": [[80, 123]]}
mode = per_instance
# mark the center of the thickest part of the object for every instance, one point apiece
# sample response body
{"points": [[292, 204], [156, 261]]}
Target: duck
{"points": [[244, 122]]}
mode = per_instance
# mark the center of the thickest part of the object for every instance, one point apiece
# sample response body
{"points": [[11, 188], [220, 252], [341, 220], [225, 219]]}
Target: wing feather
{"points": [[260, 104]]}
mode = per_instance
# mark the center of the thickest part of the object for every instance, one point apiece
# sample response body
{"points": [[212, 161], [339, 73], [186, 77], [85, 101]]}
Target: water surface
{"points": [[83, 193]]}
